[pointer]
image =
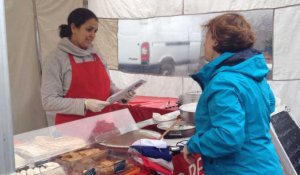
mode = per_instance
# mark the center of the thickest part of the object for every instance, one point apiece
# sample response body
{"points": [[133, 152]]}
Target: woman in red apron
{"points": [[75, 82]]}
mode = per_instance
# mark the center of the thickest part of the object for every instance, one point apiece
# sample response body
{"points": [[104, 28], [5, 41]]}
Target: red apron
{"points": [[89, 80]]}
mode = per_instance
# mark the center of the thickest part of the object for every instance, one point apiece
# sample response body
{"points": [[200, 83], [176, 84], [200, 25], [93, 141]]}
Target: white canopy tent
{"points": [[32, 31], [27, 50]]}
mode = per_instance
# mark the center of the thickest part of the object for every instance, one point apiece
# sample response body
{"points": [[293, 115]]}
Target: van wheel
{"points": [[167, 67]]}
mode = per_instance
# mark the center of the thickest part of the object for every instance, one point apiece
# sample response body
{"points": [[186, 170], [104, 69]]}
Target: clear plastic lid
{"points": [[40, 145]]}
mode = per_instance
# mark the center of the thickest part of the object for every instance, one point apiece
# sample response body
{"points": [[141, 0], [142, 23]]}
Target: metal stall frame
{"points": [[7, 161]]}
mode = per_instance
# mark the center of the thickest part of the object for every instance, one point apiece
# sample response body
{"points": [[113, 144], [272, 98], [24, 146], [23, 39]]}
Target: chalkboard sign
{"points": [[288, 134]]}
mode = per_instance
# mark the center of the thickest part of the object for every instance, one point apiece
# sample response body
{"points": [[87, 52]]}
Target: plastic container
{"points": [[84, 159]]}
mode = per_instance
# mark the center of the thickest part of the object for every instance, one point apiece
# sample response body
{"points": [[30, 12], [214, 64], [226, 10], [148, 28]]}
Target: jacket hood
{"points": [[67, 46], [249, 62]]}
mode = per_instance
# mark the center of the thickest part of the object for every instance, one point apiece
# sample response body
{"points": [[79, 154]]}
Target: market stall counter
{"points": [[95, 145], [73, 147]]}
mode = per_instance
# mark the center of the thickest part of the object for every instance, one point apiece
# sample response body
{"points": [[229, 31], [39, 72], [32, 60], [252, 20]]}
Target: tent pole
{"points": [[7, 161], [37, 36], [85, 3]]}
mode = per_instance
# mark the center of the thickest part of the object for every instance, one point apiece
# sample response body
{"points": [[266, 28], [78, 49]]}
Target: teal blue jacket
{"points": [[233, 116]]}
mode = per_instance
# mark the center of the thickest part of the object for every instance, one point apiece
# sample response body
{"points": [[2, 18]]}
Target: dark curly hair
{"points": [[77, 17], [232, 33]]}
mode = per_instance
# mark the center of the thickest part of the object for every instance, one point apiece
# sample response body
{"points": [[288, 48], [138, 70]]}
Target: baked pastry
{"points": [[106, 163], [59, 143], [109, 166], [71, 157], [89, 152], [49, 168], [105, 167], [52, 168], [77, 161], [31, 150], [46, 145], [94, 153], [23, 172]]}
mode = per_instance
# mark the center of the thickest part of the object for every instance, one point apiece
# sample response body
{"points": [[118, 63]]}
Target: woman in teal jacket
{"points": [[233, 114]]}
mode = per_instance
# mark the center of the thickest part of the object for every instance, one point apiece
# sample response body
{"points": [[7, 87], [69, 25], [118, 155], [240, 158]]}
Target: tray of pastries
{"points": [[80, 161]]}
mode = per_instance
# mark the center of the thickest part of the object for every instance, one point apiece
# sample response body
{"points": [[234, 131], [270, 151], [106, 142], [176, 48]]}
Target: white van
{"points": [[158, 45]]}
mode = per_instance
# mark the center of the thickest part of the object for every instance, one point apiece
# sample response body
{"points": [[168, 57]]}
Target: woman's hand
{"points": [[187, 156], [95, 105]]}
